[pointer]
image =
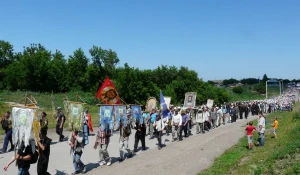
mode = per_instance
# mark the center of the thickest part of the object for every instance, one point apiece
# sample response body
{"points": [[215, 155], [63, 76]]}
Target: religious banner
{"points": [[151, 104], [106, 117], [168, 101], [137, 114], [120, 114], [22, 119], [210, 103], [108, 93], [75, 115], [36, 127], [190, 100]]}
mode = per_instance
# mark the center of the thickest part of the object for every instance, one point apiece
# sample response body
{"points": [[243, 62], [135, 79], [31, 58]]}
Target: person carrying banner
{"points": [[125, 132], [176, 125], [88, 121], [23, 158], [44, 153], [189, 123], [76, 143], [140, 135], [102, 140]]}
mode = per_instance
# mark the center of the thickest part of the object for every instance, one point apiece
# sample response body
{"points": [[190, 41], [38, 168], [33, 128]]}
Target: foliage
{"points": [[237, 90], [260, 88], [230, 81], [38, 69], [265, 78], [250, 81]]}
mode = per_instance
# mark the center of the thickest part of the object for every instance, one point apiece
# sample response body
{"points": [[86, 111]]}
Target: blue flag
{"points": [[164, 106]]}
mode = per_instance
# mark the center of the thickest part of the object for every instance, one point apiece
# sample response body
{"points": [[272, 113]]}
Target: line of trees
{"points": [[38, 69]]}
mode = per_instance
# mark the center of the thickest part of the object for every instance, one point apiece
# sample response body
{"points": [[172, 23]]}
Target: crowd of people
{"points": [[178, 122]]}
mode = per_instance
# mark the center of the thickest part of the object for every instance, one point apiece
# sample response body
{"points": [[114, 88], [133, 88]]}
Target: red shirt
{"points": [[250, 129]]}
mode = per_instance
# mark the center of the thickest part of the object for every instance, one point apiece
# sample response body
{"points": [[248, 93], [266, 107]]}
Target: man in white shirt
{"points": [[206, 116], [261, 130], [200, 121], [176, 123]]}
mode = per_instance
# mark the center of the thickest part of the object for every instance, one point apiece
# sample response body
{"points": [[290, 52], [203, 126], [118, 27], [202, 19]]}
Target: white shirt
{"points": [[177, 119], [200, 118], [262, 122], [159, 125], [206, 116]]}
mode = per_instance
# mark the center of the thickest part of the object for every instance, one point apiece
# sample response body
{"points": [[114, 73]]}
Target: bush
{"points": [[260, 88], [237, 90]]}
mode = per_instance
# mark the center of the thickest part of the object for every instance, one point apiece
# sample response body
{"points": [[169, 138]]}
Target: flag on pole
{"points": [[108, 93], [163, 105]]}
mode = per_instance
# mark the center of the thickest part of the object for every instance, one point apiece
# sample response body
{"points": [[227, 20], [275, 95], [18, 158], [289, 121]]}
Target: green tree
{"points": [[237, 90], [230, 81], [76, 71], [265, 78]]}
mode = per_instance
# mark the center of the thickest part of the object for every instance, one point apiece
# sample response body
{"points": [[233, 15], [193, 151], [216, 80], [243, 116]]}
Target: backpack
{"points": [[128, 130], [33, 153], [5, 125]]}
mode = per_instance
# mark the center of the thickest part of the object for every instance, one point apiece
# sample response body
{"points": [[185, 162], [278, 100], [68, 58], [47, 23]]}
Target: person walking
{"points": [[7, 127], [102, 140], [76, 143], [176, 125], [125, 132], [200, 122], [44, 153], [60, 123], [159, 126]]}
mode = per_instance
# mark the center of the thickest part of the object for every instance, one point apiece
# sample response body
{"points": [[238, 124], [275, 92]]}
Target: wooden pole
{"points": [[25, 99]]}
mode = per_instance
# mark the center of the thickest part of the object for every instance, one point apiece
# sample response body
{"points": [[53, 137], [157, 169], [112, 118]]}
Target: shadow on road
{"points": [[60, 172]]}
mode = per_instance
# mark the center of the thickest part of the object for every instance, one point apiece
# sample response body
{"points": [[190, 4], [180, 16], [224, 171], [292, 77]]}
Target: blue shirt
{"points": [[153, 117], [184, 118], [170, 115]]}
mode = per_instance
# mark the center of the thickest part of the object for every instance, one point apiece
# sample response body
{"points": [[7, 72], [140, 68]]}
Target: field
{"points": [[248, 94], [278, 156]]}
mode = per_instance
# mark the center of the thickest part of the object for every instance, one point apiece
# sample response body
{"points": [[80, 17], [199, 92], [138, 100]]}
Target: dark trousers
{"points": [[139, 137], [207, 125], [233, 118], [59, 131], [183, 128], [246, 115], [241, 115], [7, 139], [158, 136]]}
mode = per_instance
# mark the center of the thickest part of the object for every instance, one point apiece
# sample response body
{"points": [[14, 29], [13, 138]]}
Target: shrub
{"points": [[237, 90]]}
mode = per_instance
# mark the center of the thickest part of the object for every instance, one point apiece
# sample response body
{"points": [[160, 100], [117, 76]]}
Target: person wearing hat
{"points": [[44, 123], [60, 123], [200, 121], [184, 124], [176, 125]]}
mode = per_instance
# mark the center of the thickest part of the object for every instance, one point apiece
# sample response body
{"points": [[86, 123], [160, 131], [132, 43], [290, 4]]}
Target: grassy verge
{"points": [[278, 156]]}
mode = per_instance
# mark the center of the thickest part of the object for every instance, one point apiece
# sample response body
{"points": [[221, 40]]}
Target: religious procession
{"points": [[26, 127]]}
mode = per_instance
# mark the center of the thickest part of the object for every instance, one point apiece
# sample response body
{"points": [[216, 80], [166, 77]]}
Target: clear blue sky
{"points": [[218, 39]]}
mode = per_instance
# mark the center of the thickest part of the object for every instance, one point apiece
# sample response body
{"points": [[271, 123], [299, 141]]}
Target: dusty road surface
{"points": [[189, 156]]}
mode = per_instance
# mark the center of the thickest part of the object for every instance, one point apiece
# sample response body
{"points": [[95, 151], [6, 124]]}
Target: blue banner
{"points": [[137, 114], [163, 105], [120, 112], [106, 117]]}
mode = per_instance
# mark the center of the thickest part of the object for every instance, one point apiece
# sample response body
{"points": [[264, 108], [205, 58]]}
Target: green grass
{"points": [[249, 94], [278, 156], [45, 103]]}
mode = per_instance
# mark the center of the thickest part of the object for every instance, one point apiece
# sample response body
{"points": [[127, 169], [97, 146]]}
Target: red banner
{"points": [[108, 93]]}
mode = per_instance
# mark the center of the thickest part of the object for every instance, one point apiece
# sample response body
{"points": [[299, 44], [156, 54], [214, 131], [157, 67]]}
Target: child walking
{"points": [[275, 127]]}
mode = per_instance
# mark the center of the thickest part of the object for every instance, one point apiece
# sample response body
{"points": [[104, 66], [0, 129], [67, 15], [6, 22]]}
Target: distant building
{"points": [[273, 82], [217, 83]]}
